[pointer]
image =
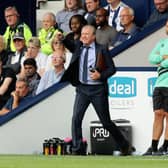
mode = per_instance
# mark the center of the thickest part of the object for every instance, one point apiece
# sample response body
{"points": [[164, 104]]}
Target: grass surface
{"points": [[40, 161]]}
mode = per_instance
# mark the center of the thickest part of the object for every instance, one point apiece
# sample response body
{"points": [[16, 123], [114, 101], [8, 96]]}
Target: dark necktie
{"points": [[85, 63], [114, 17]]}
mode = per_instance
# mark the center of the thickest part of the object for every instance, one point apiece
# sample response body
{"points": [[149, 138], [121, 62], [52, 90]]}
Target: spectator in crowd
{"points": [[58, 47], [3, 51], [12, 18], [105, 34], [76, 23], [91, 7], [114, 8], [14, 59], [130, 29], [159, 57], [47, 32], [54, 75], [18, 97], [33, 51], [7, 83], [160, 12], [31, 75], [71, 7], [88, 71]]}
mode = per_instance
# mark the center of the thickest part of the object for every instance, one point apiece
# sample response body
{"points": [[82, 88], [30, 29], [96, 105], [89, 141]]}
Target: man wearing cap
{"points": [[12, 18], [14, 59]]}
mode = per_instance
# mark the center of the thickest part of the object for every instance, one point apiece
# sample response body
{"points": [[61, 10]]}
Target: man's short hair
{"points": [[30, 61]]}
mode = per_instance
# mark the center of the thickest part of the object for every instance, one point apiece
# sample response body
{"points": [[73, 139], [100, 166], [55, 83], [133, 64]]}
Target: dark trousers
{"points": [[97, 95]]}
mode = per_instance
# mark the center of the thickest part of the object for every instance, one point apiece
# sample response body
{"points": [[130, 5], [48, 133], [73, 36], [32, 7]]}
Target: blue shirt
{"points": [[23, 100], [48, 79], [91, 64]]}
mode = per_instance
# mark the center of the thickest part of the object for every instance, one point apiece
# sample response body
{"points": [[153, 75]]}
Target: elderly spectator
{"points": [[71, 7], [160, 12], [130, 29], [12, 18], [105, 34], [33, 51], [47, 32], [18, 97], [114, 8], [3, 51], [91, 7], [54, 75], [7, 83], [14, 59]]}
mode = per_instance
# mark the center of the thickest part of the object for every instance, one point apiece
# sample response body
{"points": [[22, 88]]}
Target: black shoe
{"points": [[163, 151], [127, 150], [151, 152]]}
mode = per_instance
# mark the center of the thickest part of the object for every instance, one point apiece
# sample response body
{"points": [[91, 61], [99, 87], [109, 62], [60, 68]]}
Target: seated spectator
{"points": [[3, 51], [54, 75], [58, 46], [114, 8], [130, 29], [91, 7], [76, 23], [105, 34], [160, 12], [71, 7], [47, 32], [18, 97], [14, 59], [29, 72], [7, 83], [14, 23], [33, 51]]}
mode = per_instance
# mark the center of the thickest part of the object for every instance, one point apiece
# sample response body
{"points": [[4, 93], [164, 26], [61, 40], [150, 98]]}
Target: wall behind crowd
{"points": [[26, 8]]}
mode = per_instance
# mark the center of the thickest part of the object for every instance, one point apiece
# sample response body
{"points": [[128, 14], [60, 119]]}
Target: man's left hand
{"points": [[95, 75]]}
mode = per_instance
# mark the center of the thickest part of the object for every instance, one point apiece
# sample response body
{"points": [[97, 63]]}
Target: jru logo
{"points": [[122, 87], [151, 84], [100, 133]]}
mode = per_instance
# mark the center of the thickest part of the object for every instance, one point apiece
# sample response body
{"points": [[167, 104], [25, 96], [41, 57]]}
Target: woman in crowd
{"points": [[57, 46], [33, 51]]}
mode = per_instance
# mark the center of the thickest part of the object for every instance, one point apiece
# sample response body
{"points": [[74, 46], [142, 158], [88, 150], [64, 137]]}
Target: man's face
{"points": [[87, 35], [71, 4], [161, 5], [57, 59], [29, 70], [21, 89], [126, 18], [19, 44], [91, 5], [101, 18], [47, 22], [11, 17]]}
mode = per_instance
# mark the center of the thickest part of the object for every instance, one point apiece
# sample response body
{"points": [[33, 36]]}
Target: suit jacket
{"points": [[104, 63]]}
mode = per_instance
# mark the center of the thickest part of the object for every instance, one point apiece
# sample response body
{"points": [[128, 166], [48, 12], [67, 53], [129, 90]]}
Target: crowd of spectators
{"points": [[41, 59]]}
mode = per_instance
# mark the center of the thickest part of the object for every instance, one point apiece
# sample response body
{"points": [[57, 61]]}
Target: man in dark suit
{"points": [[90, 80]]}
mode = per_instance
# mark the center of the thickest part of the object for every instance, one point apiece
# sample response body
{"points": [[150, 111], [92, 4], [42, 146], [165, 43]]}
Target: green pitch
{"points": [[40, 161]]}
